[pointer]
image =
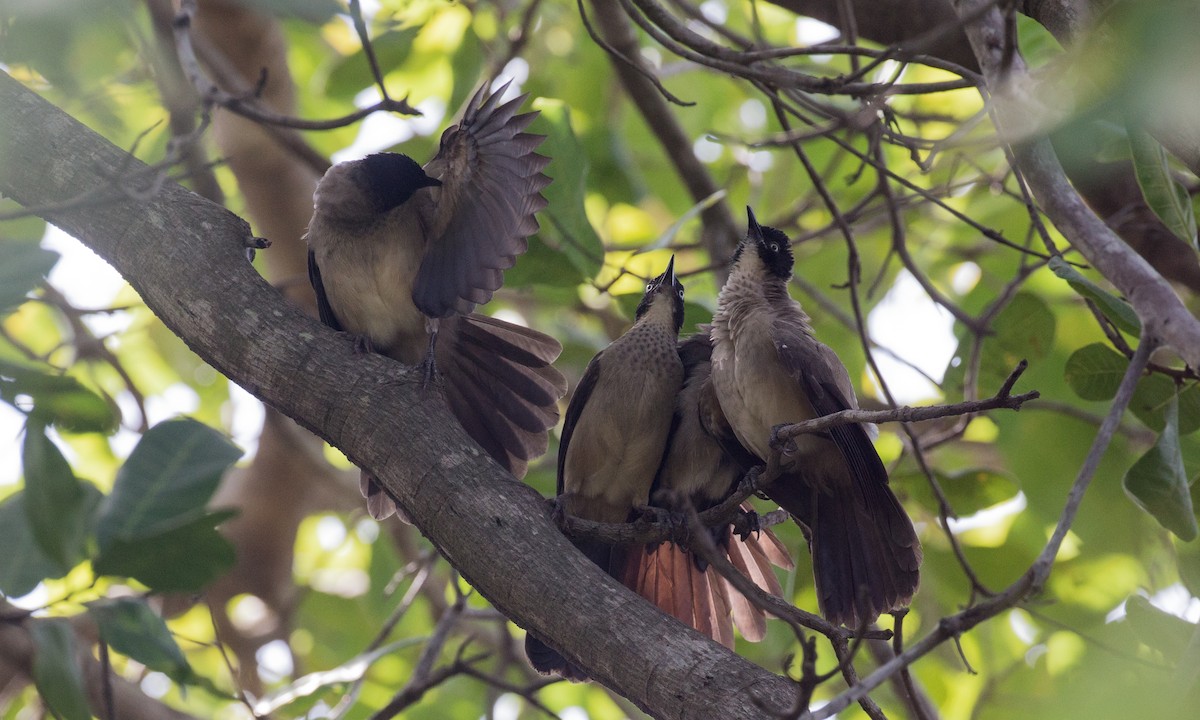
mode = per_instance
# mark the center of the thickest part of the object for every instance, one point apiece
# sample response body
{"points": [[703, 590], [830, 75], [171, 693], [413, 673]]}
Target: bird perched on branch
{"points": [[769, 370], [614, 434], [703, 462], [399, 256], [626, 413]]}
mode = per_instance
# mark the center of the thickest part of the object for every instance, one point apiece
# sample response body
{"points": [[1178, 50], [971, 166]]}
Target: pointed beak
{"points": [[431, 182], [753, 229], [670, 273]]}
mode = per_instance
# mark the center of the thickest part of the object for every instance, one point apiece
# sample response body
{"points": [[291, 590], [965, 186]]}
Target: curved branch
{"points": [[1162, 313], [185, 256]]}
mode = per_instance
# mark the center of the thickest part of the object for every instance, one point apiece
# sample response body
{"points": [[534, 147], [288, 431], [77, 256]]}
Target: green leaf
{"points": [[57, 504], [180, 559], [968, 491], [1152, 395], [22, 564], [131, 628], [166, 482], [24, 266], [56, 669], [1157, 629], [564, 221], [57, 399], [1158, 484], [1168, 199], [1094, 371], [1115, 309], [1187, 557], [1025, 328]]}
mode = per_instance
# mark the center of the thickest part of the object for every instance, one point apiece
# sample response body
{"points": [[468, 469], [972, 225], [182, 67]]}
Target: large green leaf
{"points": [[1168, 199], [565, 221], [1094, 371], [22, 563], [1155, 392], [57, 505], [24, 265], [166, 482], [1114, 308], [131, 628], [56, 670], [185, 558], [58, 399], [1158, 484]]}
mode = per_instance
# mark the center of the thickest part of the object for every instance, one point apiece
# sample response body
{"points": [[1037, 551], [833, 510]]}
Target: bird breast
{"points": [[619, 439], [755, 390], [368, 270]]}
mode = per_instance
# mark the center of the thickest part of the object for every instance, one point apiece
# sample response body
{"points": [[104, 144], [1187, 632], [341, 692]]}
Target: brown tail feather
{"points": [[865, 553], [500, 385]]}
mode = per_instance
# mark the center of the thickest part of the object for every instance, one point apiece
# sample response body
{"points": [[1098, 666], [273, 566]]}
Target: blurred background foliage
{"points": [[105, 494]]}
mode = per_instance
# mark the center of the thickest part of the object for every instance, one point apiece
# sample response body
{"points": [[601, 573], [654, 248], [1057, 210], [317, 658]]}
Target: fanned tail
{"points": [[500, 384]]}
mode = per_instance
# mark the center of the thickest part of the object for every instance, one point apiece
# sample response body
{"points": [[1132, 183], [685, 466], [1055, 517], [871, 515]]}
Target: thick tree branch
{"points": [[1163, 315], [185, 257]]}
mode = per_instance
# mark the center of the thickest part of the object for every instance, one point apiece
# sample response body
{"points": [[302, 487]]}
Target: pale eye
{"points": [[649, 287], [774, 247], [680, 292]]}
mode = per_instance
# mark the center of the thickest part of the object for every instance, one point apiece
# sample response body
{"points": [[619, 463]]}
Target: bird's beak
{"points": [[753, 229], [431, 182], [669, 275]]}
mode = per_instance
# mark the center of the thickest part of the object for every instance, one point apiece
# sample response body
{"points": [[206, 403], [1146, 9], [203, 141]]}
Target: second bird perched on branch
{"points": [[769, 370]]}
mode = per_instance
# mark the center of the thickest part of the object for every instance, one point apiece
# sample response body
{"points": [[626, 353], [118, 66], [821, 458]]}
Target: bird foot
{"points": [[746, 523], [558, 513], [785, 445], [362, 344]]}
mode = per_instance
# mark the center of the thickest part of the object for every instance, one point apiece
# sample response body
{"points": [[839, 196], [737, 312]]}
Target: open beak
{"points": [[669, 275]]}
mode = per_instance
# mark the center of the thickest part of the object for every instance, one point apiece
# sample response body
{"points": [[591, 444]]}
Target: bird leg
{"points": [[362, 344], [429, 369]]}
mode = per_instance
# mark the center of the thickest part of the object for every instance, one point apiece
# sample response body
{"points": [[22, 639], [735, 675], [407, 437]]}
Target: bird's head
{"points": [[664, 291], [390, 179], [770, 246]]}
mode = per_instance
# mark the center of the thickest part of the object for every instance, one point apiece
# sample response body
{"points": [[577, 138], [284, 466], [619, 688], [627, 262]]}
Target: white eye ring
{"points": [[774, 247], [680, 292], [649, 287]]}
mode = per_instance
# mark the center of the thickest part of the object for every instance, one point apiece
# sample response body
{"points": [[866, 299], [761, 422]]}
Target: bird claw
{"points": [[747, 523], [362, 344], [786, 446], [558, 513]]}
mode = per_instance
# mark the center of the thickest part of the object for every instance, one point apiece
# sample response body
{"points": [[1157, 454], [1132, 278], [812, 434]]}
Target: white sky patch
{"points": [[274, 661], [507, 707], [331, 533], [989, 516], [11, 424], [1174, 599], [813, 32], [652, 57], [886, 71], [380, 131], [245, 415], [707, 150], [714, 11], [516, 70], [752, 114], [917, 329], [156, 684]]}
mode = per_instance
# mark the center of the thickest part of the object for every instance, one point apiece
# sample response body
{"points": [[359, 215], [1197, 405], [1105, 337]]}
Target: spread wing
{"points": [[579, 400], [324, 309], [491, 188]]}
